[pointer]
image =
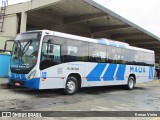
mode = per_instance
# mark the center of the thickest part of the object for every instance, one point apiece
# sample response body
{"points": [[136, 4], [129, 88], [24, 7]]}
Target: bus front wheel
{"points": [[131, 83], [71, 86]]}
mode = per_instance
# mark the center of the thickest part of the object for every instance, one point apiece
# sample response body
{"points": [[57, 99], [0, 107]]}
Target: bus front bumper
{"points": [[32, 83]]}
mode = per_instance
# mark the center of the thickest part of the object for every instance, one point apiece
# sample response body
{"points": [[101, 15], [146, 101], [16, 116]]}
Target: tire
{"points": [[131, 83], [71, 86]]}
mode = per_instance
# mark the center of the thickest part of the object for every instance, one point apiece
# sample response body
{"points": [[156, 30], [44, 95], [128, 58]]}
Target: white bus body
{"points": [[80, 62]]}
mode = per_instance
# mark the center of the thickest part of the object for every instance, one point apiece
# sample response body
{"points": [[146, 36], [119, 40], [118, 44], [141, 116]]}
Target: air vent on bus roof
{"points": [[112, 42]]}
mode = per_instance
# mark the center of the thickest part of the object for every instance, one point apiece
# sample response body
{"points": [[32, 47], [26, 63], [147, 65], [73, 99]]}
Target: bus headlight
{"points": [[32, 75]]}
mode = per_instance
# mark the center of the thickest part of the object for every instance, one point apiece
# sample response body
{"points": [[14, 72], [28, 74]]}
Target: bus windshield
{"points": [[25, 53]]}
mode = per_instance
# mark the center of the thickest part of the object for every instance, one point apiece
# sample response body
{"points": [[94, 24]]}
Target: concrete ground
{"points": [[145, 97]]}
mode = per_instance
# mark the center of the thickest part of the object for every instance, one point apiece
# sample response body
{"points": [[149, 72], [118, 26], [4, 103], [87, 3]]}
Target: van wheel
{"points": [[71, 86], [131, 83]]}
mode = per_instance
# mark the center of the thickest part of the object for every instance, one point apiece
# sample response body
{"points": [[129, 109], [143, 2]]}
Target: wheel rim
{"points": [[71, 86], [131, 83]]}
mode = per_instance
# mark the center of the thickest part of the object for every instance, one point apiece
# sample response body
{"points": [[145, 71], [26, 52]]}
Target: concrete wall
{"points": [[11, 20], [29, 6], [10, 26]]}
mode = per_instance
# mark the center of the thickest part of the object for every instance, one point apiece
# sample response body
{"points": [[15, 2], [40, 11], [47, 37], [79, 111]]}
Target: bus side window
{"points": [[50, 54], [138, 58], [72, 53], [97, 53], [83, 51], [111, 53], [56, 55], [119, 54], [128, 56]]}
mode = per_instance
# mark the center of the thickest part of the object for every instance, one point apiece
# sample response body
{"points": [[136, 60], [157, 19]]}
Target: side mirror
{"points": [[51, 48], [5, 45]]}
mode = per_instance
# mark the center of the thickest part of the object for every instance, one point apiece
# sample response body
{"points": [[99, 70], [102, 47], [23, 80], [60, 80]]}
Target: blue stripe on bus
{"points": [[23, 77], [32, 83], [18, 76], [12, 75], [109, 74], [120, 72], [151, 73], [95, 74]]}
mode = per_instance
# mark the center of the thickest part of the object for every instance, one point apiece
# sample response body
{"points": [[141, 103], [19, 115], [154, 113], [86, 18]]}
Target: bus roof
{"points": [[103, 41]]}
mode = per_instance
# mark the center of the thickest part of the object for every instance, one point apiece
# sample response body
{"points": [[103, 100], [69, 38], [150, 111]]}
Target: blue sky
{"points": [[144, 13]]}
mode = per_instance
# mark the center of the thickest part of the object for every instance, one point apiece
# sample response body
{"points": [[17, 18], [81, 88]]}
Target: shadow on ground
{"points": [[59, 92]]}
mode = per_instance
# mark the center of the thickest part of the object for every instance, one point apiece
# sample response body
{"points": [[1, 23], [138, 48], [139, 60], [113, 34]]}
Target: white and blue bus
{"points": [[50, 60]]}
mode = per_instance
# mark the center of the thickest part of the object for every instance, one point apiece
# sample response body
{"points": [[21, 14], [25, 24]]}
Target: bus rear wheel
{"points": [[131, 83], [71, 86]]}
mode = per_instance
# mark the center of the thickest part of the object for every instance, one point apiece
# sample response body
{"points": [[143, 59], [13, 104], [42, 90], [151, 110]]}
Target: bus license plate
{"points": [[17, 84]]}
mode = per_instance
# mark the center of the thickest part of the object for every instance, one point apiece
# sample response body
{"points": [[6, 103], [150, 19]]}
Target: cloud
{"points": [[144, 13]]}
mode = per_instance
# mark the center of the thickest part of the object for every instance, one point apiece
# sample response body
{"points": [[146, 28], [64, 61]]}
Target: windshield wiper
{"points": [[28, 44], [21, 50]]}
